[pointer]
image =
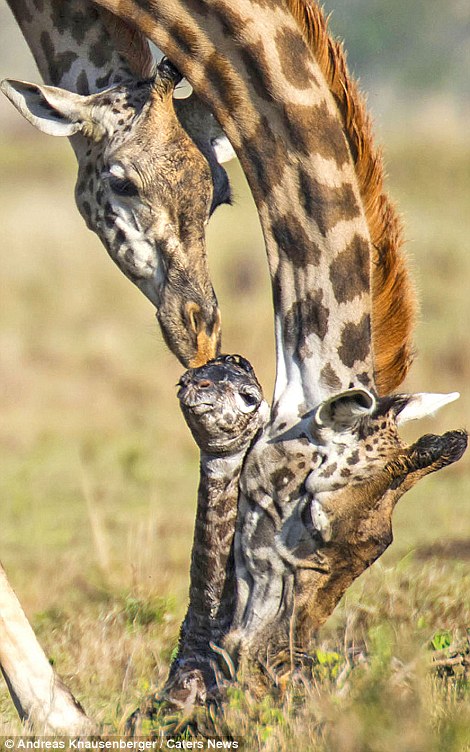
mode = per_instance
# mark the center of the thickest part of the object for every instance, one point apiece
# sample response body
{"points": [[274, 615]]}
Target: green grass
{"points": [[99, 474]]}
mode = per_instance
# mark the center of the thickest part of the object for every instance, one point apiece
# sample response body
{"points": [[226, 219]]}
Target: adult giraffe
{"points": [[319, 486], [143, 185]]}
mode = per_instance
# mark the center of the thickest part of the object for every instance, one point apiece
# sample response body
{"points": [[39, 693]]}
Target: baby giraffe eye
{"points": [[247, 400]]}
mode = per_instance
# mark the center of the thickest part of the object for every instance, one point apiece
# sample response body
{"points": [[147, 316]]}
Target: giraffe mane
{"points": [[393, 294], [130, 43]]}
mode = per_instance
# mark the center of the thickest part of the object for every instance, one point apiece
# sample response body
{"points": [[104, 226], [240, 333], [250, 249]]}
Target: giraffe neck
{"points": [[253, 68], [71, 44], [211, 591]]}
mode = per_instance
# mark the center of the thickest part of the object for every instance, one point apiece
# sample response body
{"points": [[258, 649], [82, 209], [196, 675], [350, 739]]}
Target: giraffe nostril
{"points": [[193, 313], [204, 384]]}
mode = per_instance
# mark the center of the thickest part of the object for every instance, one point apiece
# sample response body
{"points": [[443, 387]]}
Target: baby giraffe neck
{"points": [[211, 594], [223, 405]]}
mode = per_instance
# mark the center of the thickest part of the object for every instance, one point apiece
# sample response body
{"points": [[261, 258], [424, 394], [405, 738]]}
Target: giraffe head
{"points": [[146, 189], [316, 507], [223, 405], [357, 438]]}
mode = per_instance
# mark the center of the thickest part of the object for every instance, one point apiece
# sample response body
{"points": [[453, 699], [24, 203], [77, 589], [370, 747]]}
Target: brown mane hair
{"points": [[393, 295]]}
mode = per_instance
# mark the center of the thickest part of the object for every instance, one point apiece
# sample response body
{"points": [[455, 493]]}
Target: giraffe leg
{"points": [[39, 696]]}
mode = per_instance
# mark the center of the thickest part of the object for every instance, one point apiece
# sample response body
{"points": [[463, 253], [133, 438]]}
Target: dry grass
{"points": [[98, 472]]}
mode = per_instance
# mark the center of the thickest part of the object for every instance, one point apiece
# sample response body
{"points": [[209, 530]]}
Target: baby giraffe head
{"points": [[223, 405], [358, 440], [146, 190]]}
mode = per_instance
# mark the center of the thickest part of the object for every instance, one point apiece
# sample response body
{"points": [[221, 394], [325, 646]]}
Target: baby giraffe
{"points": [[223, 405]]}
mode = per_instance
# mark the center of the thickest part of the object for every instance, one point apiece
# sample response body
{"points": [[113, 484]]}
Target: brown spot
{"points": [[100, 54], [120, 239], [197, 7], [231, 22], [220, 76], [365, 378], [76, 24], [293, 56], [257, 68], [355, 342], [58, 64], [329, 470], [266, 152], [292, 239], [187, 40], [277, 291], [349, 271], [329, 377], [354, 458], [103, 81], [345, 472], [327, 206], [306, 317], [314, 130], [282, 477]]}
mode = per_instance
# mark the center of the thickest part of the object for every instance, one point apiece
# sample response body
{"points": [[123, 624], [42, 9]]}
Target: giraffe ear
{"points": [[421, 405], [343, 410], [54, 111]]}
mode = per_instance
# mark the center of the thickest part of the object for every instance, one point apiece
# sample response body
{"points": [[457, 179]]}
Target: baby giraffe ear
{"points": [[417, 406], [54, 111], [343, 410]]}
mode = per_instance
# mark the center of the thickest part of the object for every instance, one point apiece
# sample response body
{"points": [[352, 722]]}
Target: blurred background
{"points": [[98, 472]]}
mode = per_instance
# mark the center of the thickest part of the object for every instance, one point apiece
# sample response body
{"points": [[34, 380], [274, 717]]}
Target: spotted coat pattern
{"points": [[253, 67], [148, 216], [315, 501], [223, 405]]}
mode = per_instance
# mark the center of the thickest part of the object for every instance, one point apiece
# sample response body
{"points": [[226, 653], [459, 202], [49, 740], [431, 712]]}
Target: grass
{"points": [[98, 471]]}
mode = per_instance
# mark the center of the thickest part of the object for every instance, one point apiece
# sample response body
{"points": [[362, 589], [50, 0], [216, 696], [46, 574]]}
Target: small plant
{"points": [[141, 612], [441, 640]]}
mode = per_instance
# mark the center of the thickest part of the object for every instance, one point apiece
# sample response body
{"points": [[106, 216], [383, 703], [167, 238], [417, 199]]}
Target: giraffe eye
{"points": [[250, 399], [123, 187], [247, 400]]}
